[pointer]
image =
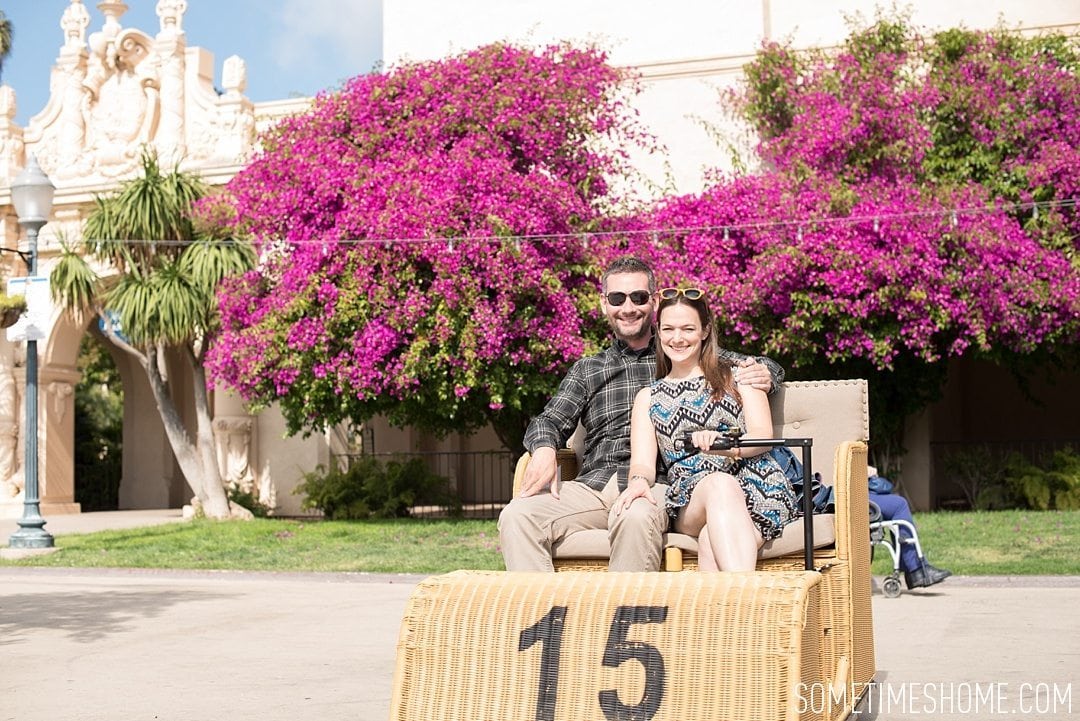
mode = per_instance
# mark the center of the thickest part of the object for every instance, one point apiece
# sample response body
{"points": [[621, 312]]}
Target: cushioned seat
{"points": [[594, 543]]}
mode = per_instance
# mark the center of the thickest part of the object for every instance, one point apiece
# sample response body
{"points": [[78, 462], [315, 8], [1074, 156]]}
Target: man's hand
{"points": [[541, 473], [752, 373], [638, 487]]}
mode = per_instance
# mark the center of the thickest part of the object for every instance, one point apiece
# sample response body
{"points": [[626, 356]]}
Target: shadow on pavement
{"points": [[85, 616]]}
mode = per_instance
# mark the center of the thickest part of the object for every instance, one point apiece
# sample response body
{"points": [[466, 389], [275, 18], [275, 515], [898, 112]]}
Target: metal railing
{"points": [[481, 480]]}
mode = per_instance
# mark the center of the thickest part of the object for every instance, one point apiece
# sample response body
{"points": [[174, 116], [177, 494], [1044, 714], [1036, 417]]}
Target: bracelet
{"points": [[644, 478]]}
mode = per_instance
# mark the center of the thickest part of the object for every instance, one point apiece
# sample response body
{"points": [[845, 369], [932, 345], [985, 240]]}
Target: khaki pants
{"points": [[530, 527]]}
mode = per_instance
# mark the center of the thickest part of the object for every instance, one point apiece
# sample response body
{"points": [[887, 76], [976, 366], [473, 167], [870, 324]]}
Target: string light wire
{"points": [[584, 238]]}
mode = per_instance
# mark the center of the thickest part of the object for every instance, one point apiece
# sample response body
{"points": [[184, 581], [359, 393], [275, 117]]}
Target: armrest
{"points": [[852, 502], [565, 459], [519, 472]]}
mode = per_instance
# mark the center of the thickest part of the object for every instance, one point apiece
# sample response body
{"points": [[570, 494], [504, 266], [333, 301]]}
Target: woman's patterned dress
{"points": [[682, 405]]}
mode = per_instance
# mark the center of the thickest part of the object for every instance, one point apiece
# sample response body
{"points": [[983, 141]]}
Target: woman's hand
{"points": [[638, 487], [703, 440]]}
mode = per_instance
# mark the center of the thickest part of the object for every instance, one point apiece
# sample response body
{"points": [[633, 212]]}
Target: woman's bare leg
{"points": [[705, 559], [732, 536]]}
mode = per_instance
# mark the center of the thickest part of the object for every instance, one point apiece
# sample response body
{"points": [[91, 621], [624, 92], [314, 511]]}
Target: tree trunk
{"points": [[191, 461], [510, 425], [213, 484]]}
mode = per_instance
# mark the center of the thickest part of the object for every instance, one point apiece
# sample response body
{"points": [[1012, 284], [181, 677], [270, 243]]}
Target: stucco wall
{"points": [[685, 49]]}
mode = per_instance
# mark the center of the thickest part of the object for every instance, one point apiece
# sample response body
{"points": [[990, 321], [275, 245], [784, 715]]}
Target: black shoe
{"points": [[924, 576]]}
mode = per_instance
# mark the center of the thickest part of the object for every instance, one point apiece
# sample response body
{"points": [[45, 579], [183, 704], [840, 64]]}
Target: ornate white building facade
{"points": [[117, 89], [114, 91]]}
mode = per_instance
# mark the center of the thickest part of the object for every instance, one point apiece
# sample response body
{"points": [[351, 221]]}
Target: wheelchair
{"points": [[887, 534]]}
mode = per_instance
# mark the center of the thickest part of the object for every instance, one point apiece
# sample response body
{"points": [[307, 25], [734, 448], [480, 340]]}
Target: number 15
{"points": [[548, 630]]}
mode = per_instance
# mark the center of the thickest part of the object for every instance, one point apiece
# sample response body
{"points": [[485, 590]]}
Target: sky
{"points": [[291, 47]]}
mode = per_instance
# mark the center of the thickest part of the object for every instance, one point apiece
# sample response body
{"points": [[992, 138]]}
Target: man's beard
{"points": [[643, 330]]}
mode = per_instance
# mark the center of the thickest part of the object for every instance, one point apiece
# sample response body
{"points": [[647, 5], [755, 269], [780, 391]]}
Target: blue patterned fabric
{"points": [[599, 392], [682, 405]]}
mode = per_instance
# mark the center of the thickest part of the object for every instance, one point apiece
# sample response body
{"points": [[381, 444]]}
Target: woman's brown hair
{"points": [[717, 372]]}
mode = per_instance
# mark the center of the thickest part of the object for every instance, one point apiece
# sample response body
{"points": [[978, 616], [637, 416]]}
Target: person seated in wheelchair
{"points": [[918, 572]]}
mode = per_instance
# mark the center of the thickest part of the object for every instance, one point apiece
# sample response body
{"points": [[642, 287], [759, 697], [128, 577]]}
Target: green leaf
{"points": [[74, 283]]}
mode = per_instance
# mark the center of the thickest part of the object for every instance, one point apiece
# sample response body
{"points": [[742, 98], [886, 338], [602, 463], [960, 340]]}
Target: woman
{"points": [[734, 500]]}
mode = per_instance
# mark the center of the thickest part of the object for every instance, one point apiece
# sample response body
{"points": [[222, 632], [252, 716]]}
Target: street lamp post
{"points": [[32, 195]]}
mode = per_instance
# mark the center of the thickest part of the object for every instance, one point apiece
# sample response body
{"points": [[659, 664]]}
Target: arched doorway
{"points": [[149, 475], [99, 426]]}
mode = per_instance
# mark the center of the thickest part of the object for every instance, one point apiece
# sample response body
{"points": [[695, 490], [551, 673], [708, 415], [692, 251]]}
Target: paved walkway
{"points": [[98, 521], [114, 645]]}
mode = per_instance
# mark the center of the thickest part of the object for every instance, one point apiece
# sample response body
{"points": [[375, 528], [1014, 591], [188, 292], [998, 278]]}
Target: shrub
{"points": [[980, 474], [249, 499], [369, 488], [992, 480], [1056, 486]]}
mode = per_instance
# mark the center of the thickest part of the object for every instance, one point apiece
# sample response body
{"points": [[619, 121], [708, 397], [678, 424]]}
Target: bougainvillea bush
{"points": [[918, 203], [911, 170], [915, 201], [497, 149]]}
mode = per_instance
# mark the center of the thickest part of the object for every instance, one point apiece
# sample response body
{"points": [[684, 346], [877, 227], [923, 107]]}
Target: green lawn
{"points": [[997, 543], [397, 546], [987, 543]]}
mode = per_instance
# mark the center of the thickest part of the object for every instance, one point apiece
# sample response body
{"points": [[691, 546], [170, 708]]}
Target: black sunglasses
{"points": [[689, 293], [637, 297]]}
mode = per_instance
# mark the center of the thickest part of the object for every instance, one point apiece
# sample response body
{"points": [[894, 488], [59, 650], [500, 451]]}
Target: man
{"points": [[598, 392]]}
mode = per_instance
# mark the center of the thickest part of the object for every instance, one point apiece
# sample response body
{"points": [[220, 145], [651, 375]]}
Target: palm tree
{"points": [[159, 290], [7, 34]]}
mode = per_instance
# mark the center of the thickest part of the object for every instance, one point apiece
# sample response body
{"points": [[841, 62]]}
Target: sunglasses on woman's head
{"points": [[637, 297], [688, 293]]}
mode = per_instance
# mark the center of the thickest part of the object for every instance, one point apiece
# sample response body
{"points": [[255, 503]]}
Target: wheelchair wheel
{"points": [[891, 587]]}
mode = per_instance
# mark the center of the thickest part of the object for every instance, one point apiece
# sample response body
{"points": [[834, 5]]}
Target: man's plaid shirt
{"points": [[598, 392]]}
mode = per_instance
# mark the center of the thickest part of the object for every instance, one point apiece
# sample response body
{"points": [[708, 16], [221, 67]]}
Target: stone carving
{"points": [[74, 22], [132, 47], [171, 15], [103, 43], [118, 90], [11, 136], [125, 113], [233, 436], [73, 118], [267, 489], [9, 435], [60, 392], [170, 49], [234, 75], [170, 137]]}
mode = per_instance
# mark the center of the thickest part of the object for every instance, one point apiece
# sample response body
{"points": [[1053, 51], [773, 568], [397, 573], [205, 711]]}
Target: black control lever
{"points": [[732, 438], [729, 439]]}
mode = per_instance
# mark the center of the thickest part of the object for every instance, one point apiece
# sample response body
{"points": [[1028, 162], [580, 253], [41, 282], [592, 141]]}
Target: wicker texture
{"points": [[853, 546], [847, 654], [732, 646], [565, 459]]}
